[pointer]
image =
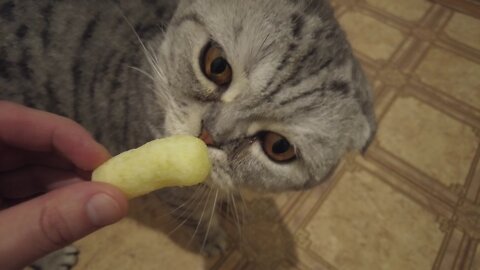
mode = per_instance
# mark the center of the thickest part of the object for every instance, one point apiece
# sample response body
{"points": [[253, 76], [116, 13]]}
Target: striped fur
{"points": [[293, 73], [74, 58]]}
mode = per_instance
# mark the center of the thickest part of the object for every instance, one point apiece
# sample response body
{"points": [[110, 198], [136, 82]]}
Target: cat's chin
{"points": [[220, 177]]}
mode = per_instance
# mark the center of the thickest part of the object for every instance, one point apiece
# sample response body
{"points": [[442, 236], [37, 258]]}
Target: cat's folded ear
{"points": [[365, 130], [313, 182], [365, 124], [369, 141], [184, 4], [369, 129]]}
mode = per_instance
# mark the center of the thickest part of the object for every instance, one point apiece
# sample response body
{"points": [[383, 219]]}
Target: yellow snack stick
{"points": [[172, 161]]}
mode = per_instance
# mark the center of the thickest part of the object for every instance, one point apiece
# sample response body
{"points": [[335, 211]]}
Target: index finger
{"points": [[36, 130]]}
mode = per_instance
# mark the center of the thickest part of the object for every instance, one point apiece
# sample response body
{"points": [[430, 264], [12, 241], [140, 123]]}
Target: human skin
{"points": [[46, 198]]}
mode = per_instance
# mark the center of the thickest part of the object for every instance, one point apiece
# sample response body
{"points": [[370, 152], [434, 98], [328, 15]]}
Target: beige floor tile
{"points": [[265, 241], [140, 242], [464, 29], [370, 36], [365, 224], [128, 245], [411, 10], [428, 139], [452, 74], [476, 260], [280, 198]]}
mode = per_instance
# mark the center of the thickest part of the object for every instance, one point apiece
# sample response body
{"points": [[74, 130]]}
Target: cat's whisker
{"points": [[193, 211], [236, 217], [230, 212], [242, 199], [227, 210], [210, 220], [201, 216], [244, 205], [154, 130], [194, 198]]}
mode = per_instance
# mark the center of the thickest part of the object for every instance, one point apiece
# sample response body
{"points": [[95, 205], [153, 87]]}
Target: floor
{"points": [[412, 202]]}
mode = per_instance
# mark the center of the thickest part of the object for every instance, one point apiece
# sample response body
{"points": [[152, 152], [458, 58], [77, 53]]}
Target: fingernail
{"points": [[103, 210]]}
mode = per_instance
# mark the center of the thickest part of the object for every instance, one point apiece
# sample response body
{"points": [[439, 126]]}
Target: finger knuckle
{"points": [[54, 226]]}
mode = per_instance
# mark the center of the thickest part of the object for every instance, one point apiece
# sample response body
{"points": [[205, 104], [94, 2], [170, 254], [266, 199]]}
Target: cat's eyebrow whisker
{"points": [[210, 220], [155, 63], [201, 216], [133, 29], [263, 45], [152, 60], [142, 72]]}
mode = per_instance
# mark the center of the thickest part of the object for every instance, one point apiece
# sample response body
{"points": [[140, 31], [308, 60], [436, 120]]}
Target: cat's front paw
{"points": [[62, 259], [215, 243]]}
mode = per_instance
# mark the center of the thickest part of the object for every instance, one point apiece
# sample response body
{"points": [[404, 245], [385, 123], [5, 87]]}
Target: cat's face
{"points": [[274, 84]]}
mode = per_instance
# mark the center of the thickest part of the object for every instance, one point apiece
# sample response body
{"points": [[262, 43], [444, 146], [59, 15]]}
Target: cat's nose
{"points": [[206, 137]]}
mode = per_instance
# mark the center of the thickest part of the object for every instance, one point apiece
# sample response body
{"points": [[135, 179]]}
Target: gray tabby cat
{"points": [[271, 85]]}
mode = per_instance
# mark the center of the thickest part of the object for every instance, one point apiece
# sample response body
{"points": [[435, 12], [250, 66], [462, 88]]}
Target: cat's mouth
{"points": [[206, 137], [221, 174]]}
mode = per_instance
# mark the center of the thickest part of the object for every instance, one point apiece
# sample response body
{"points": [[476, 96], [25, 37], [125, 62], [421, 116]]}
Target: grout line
{"points": [[443, 103], [443, 248], [318, 201], [442, 206], [466, 257], [465, 50], [470, 180], [413, 176], [471, 255], [460, 252]]}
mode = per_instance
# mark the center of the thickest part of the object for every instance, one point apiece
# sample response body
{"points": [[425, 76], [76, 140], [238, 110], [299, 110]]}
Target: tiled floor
{"points": [[412, 202]]}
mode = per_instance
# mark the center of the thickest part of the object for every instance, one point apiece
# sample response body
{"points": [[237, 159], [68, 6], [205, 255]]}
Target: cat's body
{"points": [[294, 102], [74, 58]]}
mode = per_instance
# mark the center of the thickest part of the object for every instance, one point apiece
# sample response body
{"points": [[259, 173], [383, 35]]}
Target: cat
{"points": [[271, 86]]}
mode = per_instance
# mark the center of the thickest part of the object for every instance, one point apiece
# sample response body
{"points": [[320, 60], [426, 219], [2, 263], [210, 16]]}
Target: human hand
{"points": [[45, 160]]}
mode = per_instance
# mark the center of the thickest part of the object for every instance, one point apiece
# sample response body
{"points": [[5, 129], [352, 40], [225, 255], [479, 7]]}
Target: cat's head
{"points": [[271, 83]]}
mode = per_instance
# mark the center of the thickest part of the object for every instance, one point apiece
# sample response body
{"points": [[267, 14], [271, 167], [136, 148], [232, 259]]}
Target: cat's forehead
{"points": [[261, 37], [243, 27], [282, 53], [242, 14]]}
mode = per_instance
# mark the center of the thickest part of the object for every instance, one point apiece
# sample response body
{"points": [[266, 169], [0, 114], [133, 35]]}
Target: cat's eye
{"points": [[277, 147], [215, 66]]}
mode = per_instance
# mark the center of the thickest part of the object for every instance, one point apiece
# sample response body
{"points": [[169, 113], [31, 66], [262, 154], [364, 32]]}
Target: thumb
{"points": [[37, 227]]}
